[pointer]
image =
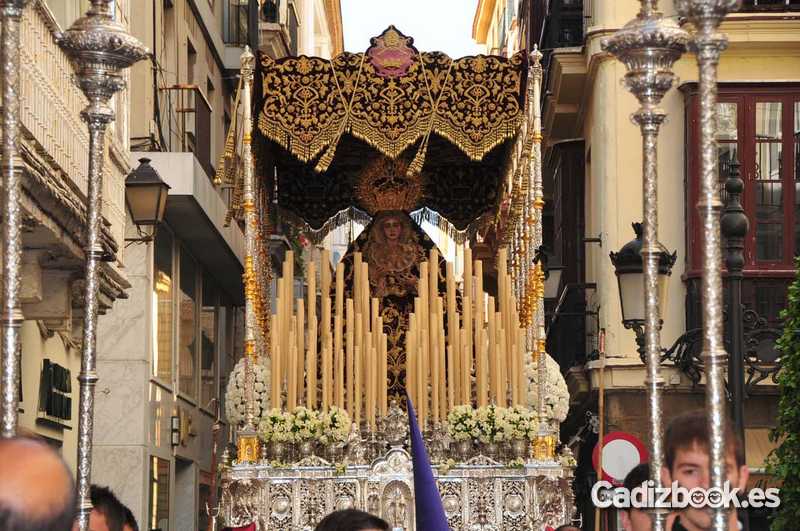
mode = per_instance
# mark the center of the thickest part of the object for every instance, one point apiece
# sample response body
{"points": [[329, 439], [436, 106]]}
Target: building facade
{"points": [[592, 173], [165, 355], [54, 149]]}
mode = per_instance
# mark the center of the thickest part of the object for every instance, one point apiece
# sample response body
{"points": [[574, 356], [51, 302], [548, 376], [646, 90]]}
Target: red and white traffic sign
{"points": [[621, 453]]}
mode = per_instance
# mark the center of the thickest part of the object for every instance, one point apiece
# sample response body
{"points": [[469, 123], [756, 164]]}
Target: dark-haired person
{"points": [[567, 527], [351, 520], [686, 456], [26, 465], [108, 513], [637, 518], [129, 524]]}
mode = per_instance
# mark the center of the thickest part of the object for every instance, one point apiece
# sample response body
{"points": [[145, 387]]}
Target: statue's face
{"points": [[392, 229]]}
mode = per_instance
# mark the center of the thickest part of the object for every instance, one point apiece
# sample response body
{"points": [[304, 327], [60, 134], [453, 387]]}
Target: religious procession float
{"points": [[393, 138]]}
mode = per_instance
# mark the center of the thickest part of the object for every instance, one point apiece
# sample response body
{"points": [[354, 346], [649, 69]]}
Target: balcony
{"points": [[754, 6], [190, 115]]}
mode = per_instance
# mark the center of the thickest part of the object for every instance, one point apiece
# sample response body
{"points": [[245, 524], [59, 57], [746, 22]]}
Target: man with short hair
{"points": [[108, 514], [638, 518], [567, 527], [686, 453], [37, 492], [351, 520]]}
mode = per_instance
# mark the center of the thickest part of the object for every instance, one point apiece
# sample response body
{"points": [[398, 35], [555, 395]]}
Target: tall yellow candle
{"points": [[358, 378], [326, 342], [337, 328], [311, 365], [383, 374], [411, 357], [300, 335], [441, 360], [451, 379], [466, 349], [275, 375], [292, 376], [425, 378], [452, 331], [466, 384], [494, 366], [373, 386], [350, 332]]}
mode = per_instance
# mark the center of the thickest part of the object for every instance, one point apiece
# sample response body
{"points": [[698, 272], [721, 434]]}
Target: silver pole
{"points": [[648, 46], [706, 16], [12, 216], [248, 447], [100, 48], [249, 208]]}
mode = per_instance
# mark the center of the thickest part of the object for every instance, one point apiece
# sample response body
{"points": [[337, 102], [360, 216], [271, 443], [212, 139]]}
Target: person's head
{"points": [[636, 519], [686, 456], [37, 492], [392, 227], [108, 514], [351, 520], [567, 527], [129, 524]]}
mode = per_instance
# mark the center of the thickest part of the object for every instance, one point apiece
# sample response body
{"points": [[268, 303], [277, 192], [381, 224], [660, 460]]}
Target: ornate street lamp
{"points": [[629, 268], [708, 44], [100, 49], [146, 198], [648, 46], [11, 13]]}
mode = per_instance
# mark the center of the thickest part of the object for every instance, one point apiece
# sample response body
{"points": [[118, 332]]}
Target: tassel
{"points": [[419, 159], [325, 160]]}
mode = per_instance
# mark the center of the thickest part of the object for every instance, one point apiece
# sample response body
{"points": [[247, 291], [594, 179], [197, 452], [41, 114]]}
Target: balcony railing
{"points": [[749, 6], [190, 113]]}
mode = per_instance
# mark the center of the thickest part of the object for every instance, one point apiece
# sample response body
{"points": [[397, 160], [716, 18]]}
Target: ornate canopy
{"points": [[332, 130]]}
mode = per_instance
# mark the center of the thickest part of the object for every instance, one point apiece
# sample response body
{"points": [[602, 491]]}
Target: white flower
{"points": [[235, 404], [555, 389]]}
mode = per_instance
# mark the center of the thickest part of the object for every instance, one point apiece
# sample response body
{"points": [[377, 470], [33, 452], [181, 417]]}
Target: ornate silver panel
{"points": [[480, 495]]}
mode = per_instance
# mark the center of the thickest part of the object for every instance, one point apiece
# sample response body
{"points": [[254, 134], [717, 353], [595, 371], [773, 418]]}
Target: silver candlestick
{"points": [[100, 48], [706, 16], [649, 45], [11, 12]]}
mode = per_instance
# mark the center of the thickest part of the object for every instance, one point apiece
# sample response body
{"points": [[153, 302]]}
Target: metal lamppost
{"points": [[708, 44], [648, 46], [734, 227], [629, 268], [100, 49], [11, 13]]}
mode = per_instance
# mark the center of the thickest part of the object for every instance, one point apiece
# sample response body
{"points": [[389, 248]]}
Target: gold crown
{"points": [[384, 185]]}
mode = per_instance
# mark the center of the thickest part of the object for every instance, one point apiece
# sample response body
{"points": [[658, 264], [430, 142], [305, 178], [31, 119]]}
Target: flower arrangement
{"points": [[490, 422], [334, 426], [556, 393], [276, 426], [462, 424], [235, 405], [520, 422], [305, 424]]}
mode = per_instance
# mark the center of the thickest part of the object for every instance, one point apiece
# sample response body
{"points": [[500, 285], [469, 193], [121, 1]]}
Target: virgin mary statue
{"points": [[393, 246]]}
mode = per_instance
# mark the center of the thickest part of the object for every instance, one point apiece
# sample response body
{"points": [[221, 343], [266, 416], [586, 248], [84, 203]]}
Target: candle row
{"points": [[472, 356], [346, 348]]}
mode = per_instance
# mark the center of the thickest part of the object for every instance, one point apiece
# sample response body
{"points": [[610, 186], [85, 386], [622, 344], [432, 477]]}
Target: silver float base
{"points": [[479, 495]]}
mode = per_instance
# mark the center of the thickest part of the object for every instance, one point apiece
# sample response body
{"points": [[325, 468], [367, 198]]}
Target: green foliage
{"points": [[784, 461]]}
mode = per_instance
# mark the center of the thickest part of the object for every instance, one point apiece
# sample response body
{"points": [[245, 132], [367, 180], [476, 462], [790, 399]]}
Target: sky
{"points": [[435, 25]]}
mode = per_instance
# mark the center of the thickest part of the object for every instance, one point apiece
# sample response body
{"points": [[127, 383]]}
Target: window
{"points": [[159, 494], [163, 306], [759, 127], [209, 316], [187, 326]]}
